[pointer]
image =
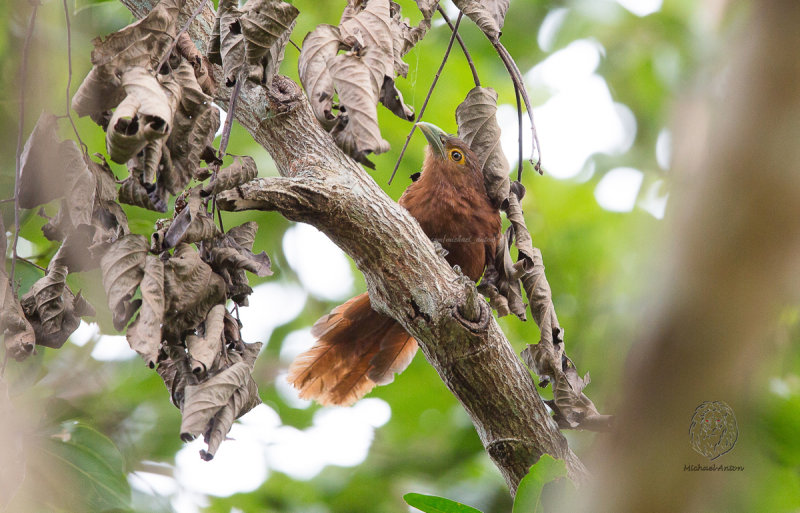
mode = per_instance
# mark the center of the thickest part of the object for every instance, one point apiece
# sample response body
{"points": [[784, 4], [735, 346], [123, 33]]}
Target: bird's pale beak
{"points": [[435, 136]]}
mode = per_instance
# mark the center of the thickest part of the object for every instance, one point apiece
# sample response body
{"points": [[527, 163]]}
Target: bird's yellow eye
{"points": [[456, 156]]}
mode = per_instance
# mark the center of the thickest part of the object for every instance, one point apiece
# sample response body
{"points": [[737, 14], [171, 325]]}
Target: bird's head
{"points": [[447, 154]]}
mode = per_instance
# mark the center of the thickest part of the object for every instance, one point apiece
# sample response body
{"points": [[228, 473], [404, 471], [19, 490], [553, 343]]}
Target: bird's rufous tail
{"points": [[356, 349]]}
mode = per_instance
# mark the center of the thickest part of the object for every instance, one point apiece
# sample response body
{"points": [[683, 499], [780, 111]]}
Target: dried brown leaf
{"points": [[204, 401], [231, 253], [143, 116], [141, 44], [489, 15], [356, 130], [144, 334], [41, 164], [192, 224], [17, 332], [253, 36], [204, 349], [522, 238], [477, 126], [199, 62], [195, 123], [427, 7], [503, 276], [372, 29], [319, 47], [191, 289], [176, 373], [105, 181], [243, 400], [133, 192], [405, 36], [265, 23], [242, 170], [122, 266], [45, 299]]}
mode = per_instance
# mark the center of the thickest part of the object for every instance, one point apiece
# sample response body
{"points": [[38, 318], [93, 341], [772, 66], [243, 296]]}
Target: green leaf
{"points": [[529, 492], [434, 504], [90, 462]]}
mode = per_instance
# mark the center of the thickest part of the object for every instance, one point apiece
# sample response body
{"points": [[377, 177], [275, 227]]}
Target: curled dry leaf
{"points": [[501, 280], [266, 27], [242, 170], [40, 180], [522, 238], [145, 114], [319, 46], [195, 123], [253, 36], [243, 400], [45, 300], [371, 29], [231, 254], [192, 224], [133, 192], [477, 126], [199, 62], [427, 7], [191, 288], [356, 130], [144, 334], [210, 408], [204, 401], [122, 266], [203, 349], [376, 37], [174, 369], [141, 44], [17, 332], [488, 15]]}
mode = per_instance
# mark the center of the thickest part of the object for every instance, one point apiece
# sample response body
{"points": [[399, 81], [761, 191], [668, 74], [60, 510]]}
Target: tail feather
{"points": [[356, 349]]}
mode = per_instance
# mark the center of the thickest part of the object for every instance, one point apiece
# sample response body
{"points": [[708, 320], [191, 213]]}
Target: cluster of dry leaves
{"points": [[152, 97], [504, 278], [373, 38]]}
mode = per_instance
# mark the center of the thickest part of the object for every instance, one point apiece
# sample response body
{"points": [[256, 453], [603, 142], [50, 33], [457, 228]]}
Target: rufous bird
{"points": [[357, 347]]}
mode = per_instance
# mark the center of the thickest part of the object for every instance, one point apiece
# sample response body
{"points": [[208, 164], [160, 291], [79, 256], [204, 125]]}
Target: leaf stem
{"points": [[69, 80], [20, 127], [519, 85], [519, 134], [223, 142], [463, 46], [428, 97]]}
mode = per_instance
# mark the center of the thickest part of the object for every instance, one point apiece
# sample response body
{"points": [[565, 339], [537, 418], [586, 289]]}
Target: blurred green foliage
{"points": [[599, 265]]}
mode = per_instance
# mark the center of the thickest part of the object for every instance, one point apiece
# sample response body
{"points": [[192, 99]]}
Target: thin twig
{"points": [[428, 97], [192, 17], [463, 46], [516, 78], [226, 129], [32, 263], [295, 45], [519, 134], [7, 200], [69, 80], [20, 127], [223, 143]]}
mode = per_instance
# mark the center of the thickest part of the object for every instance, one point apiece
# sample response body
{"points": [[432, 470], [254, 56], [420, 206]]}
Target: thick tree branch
{"points": [[406, 277]]}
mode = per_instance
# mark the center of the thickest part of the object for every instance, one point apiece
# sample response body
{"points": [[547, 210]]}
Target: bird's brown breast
{"points": [[459, 216]]}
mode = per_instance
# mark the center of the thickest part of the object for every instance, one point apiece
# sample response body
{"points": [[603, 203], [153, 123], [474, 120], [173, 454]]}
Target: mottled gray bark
{"points": [[405, 276]]}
